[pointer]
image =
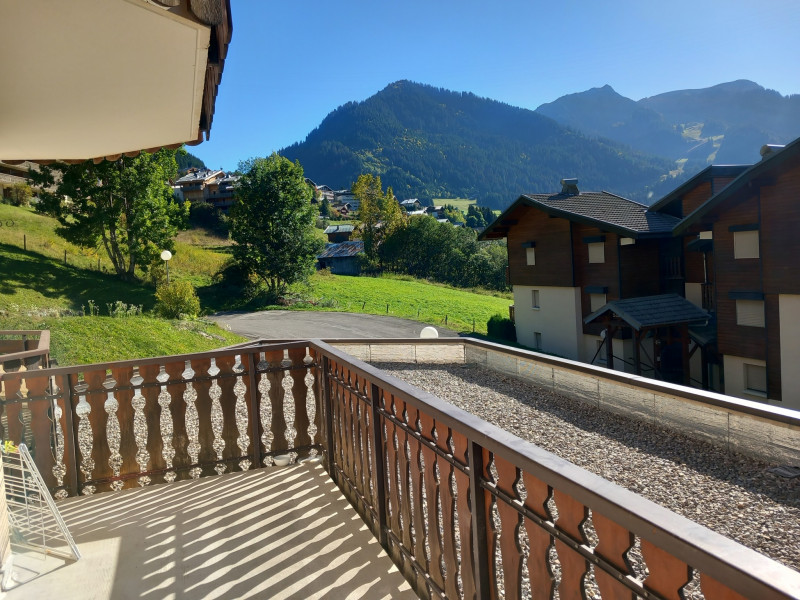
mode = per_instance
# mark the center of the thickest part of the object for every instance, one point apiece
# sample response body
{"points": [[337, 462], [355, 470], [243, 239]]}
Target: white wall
{"points": [[694, 293], [789, 311], [734, 377], [558, 319]]}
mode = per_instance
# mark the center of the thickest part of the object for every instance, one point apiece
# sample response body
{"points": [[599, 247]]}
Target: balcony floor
{"points": [[271, 533]]}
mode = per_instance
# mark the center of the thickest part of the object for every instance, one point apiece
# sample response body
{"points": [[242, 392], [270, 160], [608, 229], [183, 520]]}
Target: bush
{"points": [[204, 214], [21, 194], [501, 327], [177, 299]]}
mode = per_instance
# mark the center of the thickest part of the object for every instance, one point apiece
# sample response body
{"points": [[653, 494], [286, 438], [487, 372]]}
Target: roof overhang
{"points": [[646, 312], [96, 78]]}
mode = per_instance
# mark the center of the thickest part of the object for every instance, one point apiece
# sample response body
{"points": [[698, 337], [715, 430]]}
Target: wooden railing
{"points": [[24, 348], [707, 290], [465, 509], [111, 426]]}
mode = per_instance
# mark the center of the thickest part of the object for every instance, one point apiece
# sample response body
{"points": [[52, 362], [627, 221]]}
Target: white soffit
{"points": [[87, 78]]}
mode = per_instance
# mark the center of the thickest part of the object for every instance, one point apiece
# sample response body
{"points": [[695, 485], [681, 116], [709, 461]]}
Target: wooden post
{"points": [[70, 454], [609, 345], [255, 413], [480, 549], [637, 357], [380, 467], [65, 257], [687, 369], [327, 405], [24, 242]]}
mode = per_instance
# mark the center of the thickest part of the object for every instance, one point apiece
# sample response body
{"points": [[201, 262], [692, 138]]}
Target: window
{"points": [[537, 340], [755, 379], [530, 256], [745, 244], [597, 252], [750, 313], [596, 301], [535, 298]]}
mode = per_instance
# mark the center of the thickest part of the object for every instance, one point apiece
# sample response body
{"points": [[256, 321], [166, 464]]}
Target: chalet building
{"points": [[14, 174], [339, 233], [343, 258], [410, 205], [701, 288], [206, 185]]}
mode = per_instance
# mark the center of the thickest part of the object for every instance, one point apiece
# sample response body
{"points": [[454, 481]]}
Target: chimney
{"points": [[569, 187], [769, 149]]}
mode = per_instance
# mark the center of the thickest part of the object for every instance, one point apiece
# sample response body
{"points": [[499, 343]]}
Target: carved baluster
{"points": [[59, 467], [40, 423], [393, 493], [448, 513], [278, 424], [140, 427], [365, 416], [12, 409], [192, 421], [614, 543], [217, 418], [415, 500], [113, 435], [571, 515], [165, 423], [540, 573], [240, 391], [265, 408], [312, 410], [85, 436], [464, 504], [288, 404], [405, 476], [300, 394], [433, 486], [510, 521], [668, 574], [124, 417]]}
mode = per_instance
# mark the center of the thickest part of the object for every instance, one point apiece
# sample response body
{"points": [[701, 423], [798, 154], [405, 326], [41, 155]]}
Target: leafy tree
{"points": [[325, 207], [21, 194], [272, 223], [379, 214], [125, 206], [452, 214]]}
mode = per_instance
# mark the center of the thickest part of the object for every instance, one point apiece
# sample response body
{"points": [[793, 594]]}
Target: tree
{"points": [[325, 207], [124, 206], [272, 223], [20, 195], [379, 214]]}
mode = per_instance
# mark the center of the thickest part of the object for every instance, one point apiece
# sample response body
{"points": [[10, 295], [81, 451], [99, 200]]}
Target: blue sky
{"points": [[291, 62]]}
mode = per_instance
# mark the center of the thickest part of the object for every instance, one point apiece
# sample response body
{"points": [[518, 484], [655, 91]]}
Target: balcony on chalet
{"points": [[298, 470]]}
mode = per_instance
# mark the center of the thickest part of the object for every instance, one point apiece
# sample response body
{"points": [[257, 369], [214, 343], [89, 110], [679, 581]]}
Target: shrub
{"points": [[177, 299], [21, 194], [502, 328]]}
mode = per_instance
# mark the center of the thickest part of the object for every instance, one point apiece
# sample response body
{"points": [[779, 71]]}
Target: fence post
{"points": [[254, 411], [326, 402], [480, 551], [70, 455], [380, 467]]}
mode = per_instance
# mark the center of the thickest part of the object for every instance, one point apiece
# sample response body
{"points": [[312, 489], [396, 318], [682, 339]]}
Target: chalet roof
{"points": [[769, 164], [409, 202], [343, 249], [339, 229], [604, 210], [652, 311], [705, 175], [199, 175]]}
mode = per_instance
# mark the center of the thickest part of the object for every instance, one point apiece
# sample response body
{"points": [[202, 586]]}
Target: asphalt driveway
{"points": [[292, 324]]}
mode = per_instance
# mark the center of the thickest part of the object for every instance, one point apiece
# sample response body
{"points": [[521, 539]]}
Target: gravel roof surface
{"points": [[727, 492]]}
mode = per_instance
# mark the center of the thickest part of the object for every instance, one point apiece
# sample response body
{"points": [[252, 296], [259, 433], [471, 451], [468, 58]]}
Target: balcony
{"points": [[437, 489]]}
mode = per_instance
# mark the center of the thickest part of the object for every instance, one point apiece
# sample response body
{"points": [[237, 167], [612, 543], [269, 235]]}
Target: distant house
{"points": [[11, 175], [339, 233], [342, 258], [435, 211], [410, 205], [207, 185], [345, 197]]}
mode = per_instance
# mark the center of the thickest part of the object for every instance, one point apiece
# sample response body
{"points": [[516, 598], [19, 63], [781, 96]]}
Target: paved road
{"points": [[292, 324]]}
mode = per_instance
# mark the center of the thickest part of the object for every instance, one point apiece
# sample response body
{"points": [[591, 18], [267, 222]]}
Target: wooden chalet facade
{"points": [[726, 242]]}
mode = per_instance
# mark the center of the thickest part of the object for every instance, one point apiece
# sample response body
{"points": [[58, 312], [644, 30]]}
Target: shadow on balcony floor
{"points": [[272, 533]]}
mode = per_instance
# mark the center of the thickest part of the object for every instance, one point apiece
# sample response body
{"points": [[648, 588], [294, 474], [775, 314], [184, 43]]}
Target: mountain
{"points": [[188, 160], [725, 123], [428, 142]]}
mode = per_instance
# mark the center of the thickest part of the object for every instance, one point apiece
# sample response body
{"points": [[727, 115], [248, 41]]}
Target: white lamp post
{"points": [[166, 255]]}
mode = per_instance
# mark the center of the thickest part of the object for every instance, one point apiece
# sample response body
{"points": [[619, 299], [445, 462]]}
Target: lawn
{"points": [[435, 304], [461, 204]]}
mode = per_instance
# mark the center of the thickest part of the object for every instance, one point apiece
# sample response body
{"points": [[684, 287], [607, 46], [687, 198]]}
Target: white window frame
{"points": [[750, 376], [746, 244], [750, 313], [530, 256], [597, 252], [594, 299]]}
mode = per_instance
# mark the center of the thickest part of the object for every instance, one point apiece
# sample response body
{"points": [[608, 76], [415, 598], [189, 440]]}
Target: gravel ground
{"points": [[730, 493]]}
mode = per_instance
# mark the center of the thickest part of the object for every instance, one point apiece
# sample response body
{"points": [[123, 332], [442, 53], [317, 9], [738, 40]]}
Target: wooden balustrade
{"points": [[111, 426], [24, 348], [467, 510]]}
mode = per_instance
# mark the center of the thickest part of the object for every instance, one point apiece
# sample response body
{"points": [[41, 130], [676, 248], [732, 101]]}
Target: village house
{"points": [[339, 233], [700, 288], [342, 258]]}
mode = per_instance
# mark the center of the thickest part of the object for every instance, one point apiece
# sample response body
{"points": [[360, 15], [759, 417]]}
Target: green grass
{"points": [[406, 297], [461, 204], [85, 340]]}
